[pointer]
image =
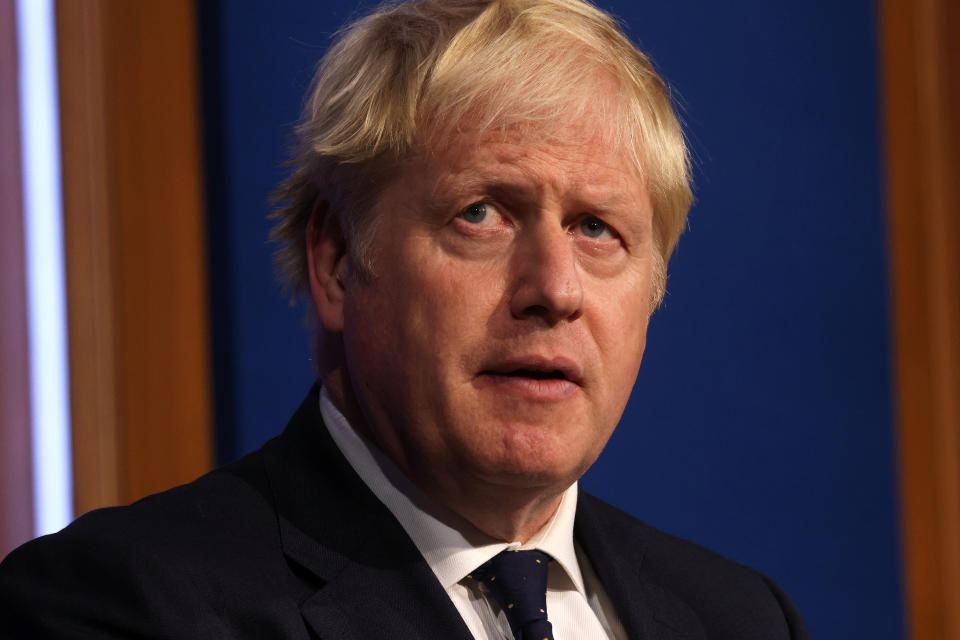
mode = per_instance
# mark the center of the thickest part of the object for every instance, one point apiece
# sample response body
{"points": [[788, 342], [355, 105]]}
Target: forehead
{"points": [[580, 157]]}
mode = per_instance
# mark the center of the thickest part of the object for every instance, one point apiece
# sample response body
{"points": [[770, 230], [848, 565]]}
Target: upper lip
{"points": [[568, 368]]}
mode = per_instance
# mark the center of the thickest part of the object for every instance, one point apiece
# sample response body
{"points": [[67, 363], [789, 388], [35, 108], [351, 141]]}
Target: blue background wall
{"points": [[761, 422]]}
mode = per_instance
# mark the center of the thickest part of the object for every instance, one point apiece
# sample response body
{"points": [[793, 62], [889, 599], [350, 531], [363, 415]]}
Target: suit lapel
{"points": [[360, 575], [378, 603], [647, 611]]}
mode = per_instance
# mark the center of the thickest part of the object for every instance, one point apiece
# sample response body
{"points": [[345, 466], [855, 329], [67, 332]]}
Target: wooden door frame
{"points": [[134, 228], [921, 73]]}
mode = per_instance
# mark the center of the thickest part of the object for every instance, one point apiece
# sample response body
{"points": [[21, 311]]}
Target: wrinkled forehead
{"points": [[584, 147]]}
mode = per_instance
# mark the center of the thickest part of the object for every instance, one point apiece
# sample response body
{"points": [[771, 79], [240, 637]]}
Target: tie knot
{"points": [[518, 582]]}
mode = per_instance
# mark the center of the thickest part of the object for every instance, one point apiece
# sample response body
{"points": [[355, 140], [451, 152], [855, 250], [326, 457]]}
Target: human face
{"points": [[498, 340]]}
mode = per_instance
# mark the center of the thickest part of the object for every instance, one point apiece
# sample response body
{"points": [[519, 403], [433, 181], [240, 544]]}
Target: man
{"points": [[483, 207]]}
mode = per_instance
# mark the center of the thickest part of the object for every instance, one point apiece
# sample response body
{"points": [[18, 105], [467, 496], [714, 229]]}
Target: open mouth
{"points": [[535, 370], [546, 382]]}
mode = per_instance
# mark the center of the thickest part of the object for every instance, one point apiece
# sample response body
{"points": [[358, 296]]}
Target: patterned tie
{"points": [[518, 582]]}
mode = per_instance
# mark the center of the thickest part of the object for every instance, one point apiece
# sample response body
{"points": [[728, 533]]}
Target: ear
{"points": [[327, 262]]}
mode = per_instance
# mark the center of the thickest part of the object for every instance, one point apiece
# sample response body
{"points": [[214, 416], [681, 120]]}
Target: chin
{"points": [[534, 457], [519, 418], [531, 477]]}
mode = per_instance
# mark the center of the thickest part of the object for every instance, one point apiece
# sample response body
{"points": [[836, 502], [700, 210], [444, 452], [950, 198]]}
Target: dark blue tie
{"points": [[518, 582]]}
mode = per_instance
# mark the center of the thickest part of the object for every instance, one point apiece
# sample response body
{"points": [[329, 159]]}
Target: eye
{"points": [[593, 227], [479, 213]]}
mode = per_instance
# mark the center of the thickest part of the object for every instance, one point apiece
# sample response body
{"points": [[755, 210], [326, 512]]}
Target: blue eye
{"points": [[476, 213], [593, 228]]}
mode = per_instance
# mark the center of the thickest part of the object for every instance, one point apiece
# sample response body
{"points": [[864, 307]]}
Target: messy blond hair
{"points": [[420, 72]]}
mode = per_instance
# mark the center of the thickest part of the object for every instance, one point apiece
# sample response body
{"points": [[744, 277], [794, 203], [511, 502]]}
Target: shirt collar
{"points": [[439, 535]]}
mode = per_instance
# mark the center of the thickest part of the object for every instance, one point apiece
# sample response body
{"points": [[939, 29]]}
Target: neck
{"points": [[502, 512], [495, 515]]}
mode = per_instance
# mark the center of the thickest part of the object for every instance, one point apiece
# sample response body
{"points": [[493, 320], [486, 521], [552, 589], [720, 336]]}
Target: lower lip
{"points": [[544, 390]]}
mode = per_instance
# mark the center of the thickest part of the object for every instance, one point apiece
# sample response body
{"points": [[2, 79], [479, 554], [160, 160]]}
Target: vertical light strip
{"points": [[43, 226]]}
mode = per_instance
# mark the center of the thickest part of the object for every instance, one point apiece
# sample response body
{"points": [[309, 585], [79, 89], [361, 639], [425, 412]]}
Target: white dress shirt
{"points": [[577, 605]]}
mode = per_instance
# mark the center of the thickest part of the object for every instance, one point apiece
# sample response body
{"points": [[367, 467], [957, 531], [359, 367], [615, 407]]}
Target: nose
{"points": [[546, 279]]}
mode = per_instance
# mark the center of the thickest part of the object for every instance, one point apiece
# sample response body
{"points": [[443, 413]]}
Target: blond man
{"points": [[482, 209]]}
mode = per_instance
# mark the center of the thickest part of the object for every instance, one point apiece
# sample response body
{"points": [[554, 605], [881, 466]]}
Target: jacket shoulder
{"points": [[726, 599], [161, 567]]}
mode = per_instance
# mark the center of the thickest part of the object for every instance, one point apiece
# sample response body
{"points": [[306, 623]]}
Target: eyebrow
{"points": [[474, 181], [527, 187]]}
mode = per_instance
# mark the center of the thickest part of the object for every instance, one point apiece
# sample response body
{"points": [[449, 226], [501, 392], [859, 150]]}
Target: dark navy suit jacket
{"points": [[289, 543]]}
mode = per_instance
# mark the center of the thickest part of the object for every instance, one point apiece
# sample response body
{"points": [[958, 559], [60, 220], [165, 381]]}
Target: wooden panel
{"points": [[88, 220], [922, 96], [135, 247], [16, 485]]}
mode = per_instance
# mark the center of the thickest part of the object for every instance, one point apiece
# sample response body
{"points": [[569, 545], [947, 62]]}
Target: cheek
{"points": [[622, 362], [619, 329], [426, 314], [451, 302]]}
